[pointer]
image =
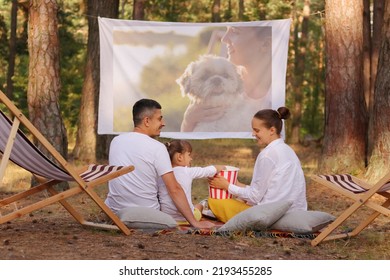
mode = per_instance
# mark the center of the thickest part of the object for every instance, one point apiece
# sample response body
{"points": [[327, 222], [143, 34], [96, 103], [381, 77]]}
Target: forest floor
{"points": [[52, 234]]}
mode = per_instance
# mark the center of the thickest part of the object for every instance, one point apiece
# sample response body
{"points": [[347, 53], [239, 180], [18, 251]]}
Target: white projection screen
{"points": [[210, 78]]}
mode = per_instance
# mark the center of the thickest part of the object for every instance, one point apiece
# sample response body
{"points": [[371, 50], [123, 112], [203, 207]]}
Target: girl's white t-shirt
{"points": [[184, 175]]}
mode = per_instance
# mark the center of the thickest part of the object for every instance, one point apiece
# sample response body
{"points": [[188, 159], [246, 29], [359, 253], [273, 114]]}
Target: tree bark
{"points": [[12, 50], [367, 50], [378, 14], [375, 47], [241, 10], [44, 84], [299, 70], [89, 146], [380, 119], [139, 9], [344, 146], [216, 11]]}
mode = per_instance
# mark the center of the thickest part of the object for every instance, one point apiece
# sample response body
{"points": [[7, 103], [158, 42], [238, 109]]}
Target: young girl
{"points": [[277, 174], [180, 154]]}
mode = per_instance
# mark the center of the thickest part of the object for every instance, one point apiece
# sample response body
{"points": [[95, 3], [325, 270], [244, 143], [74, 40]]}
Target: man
{"points": [[151, 160]]}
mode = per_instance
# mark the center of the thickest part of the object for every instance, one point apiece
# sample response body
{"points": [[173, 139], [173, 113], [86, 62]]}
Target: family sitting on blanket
{"points": [[277, 174]]}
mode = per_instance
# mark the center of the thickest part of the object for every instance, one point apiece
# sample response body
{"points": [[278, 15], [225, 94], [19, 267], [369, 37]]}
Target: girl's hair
{"points": [[273, 118], [178, 146]]}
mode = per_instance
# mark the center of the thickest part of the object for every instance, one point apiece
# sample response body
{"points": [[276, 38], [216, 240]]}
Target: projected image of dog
{"points": [[217, 82]]}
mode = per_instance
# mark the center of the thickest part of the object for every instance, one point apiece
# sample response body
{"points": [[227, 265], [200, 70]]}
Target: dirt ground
{"points": [[45, 235], [52, 234]]}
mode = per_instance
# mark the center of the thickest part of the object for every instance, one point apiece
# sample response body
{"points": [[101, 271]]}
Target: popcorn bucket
{"points": [[230, 174]]}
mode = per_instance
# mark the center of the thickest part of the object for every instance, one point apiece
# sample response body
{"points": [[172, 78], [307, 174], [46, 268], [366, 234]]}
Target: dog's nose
{"points": [[216, 81]]}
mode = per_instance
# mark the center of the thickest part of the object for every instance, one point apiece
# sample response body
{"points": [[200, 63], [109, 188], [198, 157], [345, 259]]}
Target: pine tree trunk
{"points": [[380, 119], [12, 50], [109, 9], [375, 47], [379, 6], [139, 9], [44, 84], [241, 10], [299, 71], [89, 146], [344, 147], [216, 11], [367, 51]]}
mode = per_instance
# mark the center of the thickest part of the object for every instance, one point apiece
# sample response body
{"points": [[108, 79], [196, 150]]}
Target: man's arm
{"points": [[178, 197]]}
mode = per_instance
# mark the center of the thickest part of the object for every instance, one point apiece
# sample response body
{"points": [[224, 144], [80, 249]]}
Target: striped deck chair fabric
{"points": [[346, 182], [361, 193], [15, 146]]}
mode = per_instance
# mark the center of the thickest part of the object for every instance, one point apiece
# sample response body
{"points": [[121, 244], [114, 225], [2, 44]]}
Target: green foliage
{"points": [[178, 11], [276, 9]]}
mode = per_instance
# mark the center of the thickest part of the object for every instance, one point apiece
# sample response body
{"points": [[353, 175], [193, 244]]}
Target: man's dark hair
{"points": [[144, 108]]}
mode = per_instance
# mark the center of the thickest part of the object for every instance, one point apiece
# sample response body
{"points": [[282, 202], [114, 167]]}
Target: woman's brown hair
{"points": [[273, 118]]}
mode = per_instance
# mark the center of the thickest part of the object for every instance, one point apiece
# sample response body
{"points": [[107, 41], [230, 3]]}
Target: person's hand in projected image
{"points": [[202, 112]]}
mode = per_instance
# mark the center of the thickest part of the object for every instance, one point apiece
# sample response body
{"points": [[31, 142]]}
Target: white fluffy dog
{"points": [[215, 81]]}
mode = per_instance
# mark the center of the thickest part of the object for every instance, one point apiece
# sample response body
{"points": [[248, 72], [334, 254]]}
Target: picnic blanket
{"points": [[246, 233]]}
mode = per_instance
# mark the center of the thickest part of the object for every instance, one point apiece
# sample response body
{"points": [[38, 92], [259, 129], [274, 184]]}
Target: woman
{"points": [[277, 174], [251, 48]]}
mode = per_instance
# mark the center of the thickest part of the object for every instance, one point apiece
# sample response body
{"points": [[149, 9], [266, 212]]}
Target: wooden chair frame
{"points": [[83, 186], [361, 198]]}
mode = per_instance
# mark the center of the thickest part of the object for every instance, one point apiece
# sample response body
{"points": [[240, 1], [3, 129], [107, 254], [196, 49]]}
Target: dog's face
{"points": [[211, 78]]}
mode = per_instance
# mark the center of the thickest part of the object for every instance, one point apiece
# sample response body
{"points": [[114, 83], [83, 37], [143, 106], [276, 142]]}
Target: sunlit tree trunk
{"points": [[216, 11], [12, 50], [300, 43], [44, 85], [344, 147], [89, 146], [380, 119], [375, 47], [139, 9], [241, 10], [367, 50]]}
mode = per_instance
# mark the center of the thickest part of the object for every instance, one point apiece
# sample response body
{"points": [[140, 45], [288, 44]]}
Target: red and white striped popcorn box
{"points": [[231, 174]]}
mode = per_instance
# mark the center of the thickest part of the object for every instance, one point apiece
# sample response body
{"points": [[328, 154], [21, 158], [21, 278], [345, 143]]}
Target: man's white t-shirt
{"points": [[184, 175], [139, 187]]}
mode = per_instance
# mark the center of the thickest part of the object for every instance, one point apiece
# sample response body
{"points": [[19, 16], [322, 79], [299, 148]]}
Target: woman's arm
{"points": [[262, 175]]}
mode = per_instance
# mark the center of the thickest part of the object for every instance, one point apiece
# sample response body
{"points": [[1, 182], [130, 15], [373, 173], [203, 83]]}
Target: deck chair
{"points": [[15, 146], [362, 193]]}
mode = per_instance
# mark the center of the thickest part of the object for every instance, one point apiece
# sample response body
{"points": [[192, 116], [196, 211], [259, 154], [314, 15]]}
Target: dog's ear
{"points": [[184, 81]]}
